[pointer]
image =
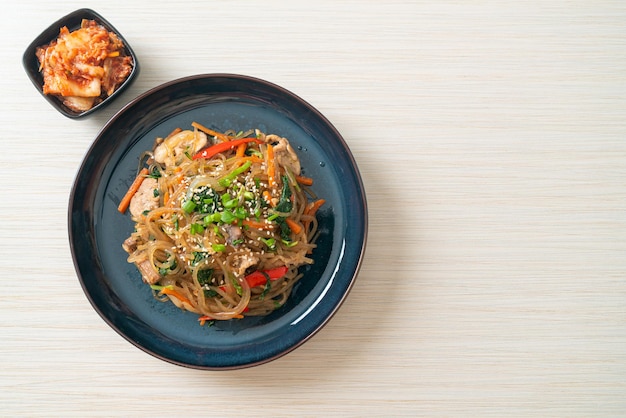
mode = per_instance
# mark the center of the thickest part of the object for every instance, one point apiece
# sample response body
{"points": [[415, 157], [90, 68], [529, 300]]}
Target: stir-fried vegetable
{"points": [[213, 150]]}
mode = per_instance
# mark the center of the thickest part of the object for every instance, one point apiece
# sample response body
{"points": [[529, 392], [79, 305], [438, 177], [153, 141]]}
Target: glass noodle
{"points": [[223, 221]]}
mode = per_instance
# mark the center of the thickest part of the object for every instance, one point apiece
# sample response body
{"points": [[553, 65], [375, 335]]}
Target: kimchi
{"points": [[85, 66]]}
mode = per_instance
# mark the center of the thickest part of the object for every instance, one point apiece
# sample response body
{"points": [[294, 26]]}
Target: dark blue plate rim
{"points": [[93, 187]]}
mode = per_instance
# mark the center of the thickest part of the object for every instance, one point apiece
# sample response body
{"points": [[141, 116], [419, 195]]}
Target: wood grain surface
{"points": [[491, 137]]}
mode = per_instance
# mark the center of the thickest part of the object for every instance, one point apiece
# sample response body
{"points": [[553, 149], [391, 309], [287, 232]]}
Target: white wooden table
{"points": [[491, 137]]}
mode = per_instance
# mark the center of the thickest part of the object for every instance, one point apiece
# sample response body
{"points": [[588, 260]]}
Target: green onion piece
{"points": [[240, 213], [214, 218], [196, 229], [237, 286], [189, 206], [270, 242], [218, 247], [241, 169], [227, 217], [227, 179], [159, 288]]}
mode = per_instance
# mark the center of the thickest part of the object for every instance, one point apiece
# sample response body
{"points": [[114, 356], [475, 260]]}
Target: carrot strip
{"points": [[314, 206], [125, 202], [172, 292], [202, 319], [306, 181], [211, 132], [257, 225], [253, 159], [268, 198], [271, 166], [311, 209], [241, 150], [295, 227]]}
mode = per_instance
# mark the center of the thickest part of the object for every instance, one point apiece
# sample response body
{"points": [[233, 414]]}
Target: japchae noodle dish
{"points": [[223, 221]]}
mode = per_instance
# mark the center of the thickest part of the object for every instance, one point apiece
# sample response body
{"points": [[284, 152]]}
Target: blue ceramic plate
{"points": [[97, 230]]}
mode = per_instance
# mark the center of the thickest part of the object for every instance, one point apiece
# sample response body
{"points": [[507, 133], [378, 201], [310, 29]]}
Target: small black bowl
{"points": [[73, 21]]}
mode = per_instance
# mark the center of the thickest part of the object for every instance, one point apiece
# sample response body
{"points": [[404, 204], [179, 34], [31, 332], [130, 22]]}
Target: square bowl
{"points": [[73, 21]]}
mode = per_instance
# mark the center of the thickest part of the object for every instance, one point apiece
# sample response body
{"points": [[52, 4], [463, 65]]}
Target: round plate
{"points": [[96, 229]]}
